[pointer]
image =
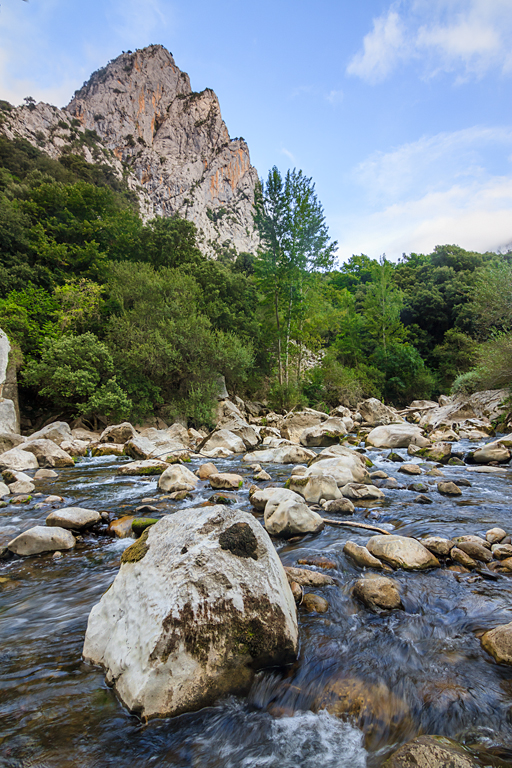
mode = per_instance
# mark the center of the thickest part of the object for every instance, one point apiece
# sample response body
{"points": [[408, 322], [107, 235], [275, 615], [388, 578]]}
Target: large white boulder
{"points": [[326, 433], [394, 435], [291, 518], [18, 460], [41, 539], [294, 424], [10, 440], [47, 453], [159, 445], [249, 434], [8, 418], [260, 497], [494, 451], [284, 454], [57, 431], [488, 404], [177, 478], [224, 438], [344, 464], [402, 552], [376, 413], [200, 602], [118, 433], [314, 487], [73, 518]]}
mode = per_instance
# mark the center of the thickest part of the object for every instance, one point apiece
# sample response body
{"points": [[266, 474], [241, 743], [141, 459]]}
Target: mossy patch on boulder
{"points": [[136, 551]]}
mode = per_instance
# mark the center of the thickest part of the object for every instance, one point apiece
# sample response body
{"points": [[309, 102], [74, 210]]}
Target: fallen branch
{"points": [[350, 524]]}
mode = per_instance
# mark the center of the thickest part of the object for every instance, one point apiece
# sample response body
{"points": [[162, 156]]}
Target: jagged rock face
{"points": [[168, 142], [175, 142]]}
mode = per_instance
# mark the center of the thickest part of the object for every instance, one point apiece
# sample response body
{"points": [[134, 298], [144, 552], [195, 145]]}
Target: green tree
{"points": [[382, 305]]}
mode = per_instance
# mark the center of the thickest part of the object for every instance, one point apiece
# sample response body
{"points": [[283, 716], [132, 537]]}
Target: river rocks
{"points": [[491, 452], [439, 452], [314, 487], [476, 551], [226, 481], [459, 556], [177, 478], [18, 460], [431, 752], [262, 476], [10, 440], [402, 552], [118, 433], [205, 470], [73, 518], [47, 453], [75, 447], [122, 527], [4, 489], [144, 467], [21, 486], [339, 507], [378, 592], [290, 518], [328, 432], [498, 643], [376, 413], [495, 535], [57, 432], [306, 578], [201, 601], [361, 492], [107, 449], [344, 464], [259, 497], [449, 489], [294, 424], [225, 439], [8, 418], [285, 454], [361, 555], [438, 545], [237, 426], [393, 436], [314, 603], [41, 539], [502, 551], [410, 469]]}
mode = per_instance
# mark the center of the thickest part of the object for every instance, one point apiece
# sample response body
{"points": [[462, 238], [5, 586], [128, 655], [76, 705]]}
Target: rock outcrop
{"points": [[140, 116], [201, 601]]}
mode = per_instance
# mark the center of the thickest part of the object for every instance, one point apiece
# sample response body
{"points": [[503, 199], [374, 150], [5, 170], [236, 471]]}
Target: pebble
{"points": [[314, 603], [449, 489], [422, 499], [262, 476], [53, 500], [410, 469], [318, 562], [45, 474], [145, 508], [393, 456], [56, 555], [306, 578], [378, 592]]}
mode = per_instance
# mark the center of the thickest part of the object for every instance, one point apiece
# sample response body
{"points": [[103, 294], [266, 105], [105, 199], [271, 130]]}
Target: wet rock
{"points": [[21, 499], [177, 478], [439, 452], [495, 535], [140, 524], [41, 539], [21, 486], [297, 591], [438, 545], [455, 462], [498, 643], [205, 470], [224, 438], [506, 562], [223, 498], [379, 475], [431, 752], [339, 507], [4, 489], [501, 551], [459, 556], [361, 492], [146, 509], [294, 424], [75, 447], [262, 476], [259, 497], [449, 489], [495, 451], [314, 603], [394, 436], [290, 518], [107, 449], [361, 556], [314, 487], [307, 578], [472, 538], [422, 499], [344, 469], [299, 469], [46, 474], [18, 460], [402, 552], [435, 472], [318, 562], [178, 495], [391, 484], [392, 456], [410, 469], [376, 413], [226, 481], [47, 453], [143, 467], [378, 592], [476, 551], [118, 433], [327, 433], [170, 647], [418, 487], [285, 454], [122, 527], [73, 518]]}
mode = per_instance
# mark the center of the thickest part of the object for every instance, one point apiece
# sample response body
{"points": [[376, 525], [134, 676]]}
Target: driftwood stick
{"points": [[351, 524]]}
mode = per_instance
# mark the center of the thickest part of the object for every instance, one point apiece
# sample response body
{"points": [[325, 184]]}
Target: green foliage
{"points": [[77, 373], [407, 377], [29, 317], [467, 383]]}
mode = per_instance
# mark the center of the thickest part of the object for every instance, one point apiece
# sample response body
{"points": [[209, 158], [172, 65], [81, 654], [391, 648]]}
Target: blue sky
{"points": [[399, 111]]}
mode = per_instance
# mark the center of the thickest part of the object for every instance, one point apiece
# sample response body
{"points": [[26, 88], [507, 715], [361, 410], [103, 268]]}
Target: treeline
{"points": [[113, 318]]}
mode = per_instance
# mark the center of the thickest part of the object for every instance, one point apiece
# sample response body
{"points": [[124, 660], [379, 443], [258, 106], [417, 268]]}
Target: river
{"points": [[363, 684]]}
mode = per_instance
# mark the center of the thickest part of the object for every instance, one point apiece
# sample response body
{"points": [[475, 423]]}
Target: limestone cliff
{"points": [[169, 142]]}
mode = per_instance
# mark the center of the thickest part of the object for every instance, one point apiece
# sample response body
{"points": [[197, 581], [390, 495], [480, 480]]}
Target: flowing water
{"points": [[363, 684]]}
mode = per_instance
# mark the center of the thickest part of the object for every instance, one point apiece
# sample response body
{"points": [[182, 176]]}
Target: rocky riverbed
{"points": [[388, 650]]}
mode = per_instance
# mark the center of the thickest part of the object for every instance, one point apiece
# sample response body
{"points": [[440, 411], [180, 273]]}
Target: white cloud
{"points": [[288, 154], [334, 97], [136, 21], [468, 37], [382, 48], [429, 192]]}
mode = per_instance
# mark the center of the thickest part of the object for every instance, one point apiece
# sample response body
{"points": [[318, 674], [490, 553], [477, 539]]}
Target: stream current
{"points": [[364, 683]]}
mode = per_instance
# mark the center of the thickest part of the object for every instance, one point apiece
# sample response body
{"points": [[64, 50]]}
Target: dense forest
{"points": [[112, 318]]}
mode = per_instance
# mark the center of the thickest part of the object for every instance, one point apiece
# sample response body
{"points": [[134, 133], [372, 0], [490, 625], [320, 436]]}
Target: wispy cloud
{"points": [[466, 37], [334, 97], [288, 154]]}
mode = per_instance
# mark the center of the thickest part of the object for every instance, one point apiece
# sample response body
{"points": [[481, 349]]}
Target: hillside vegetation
{"points": [[113, 318]]}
